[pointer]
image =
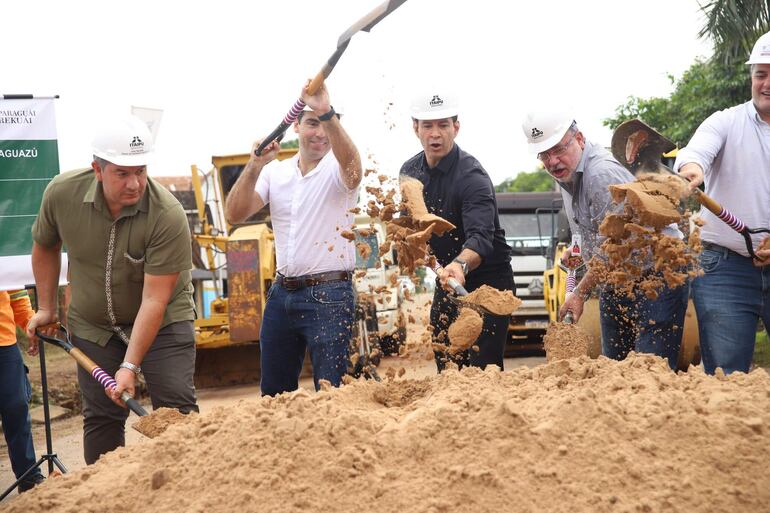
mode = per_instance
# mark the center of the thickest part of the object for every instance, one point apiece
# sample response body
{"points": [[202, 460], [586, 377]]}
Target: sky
{"points": [[225, 73]]}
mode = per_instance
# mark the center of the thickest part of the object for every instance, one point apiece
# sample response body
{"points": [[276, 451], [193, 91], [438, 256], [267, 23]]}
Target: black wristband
{"points": [[328, 115]]}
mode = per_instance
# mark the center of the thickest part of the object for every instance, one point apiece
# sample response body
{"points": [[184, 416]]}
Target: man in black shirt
{"points": [[456, 187]]}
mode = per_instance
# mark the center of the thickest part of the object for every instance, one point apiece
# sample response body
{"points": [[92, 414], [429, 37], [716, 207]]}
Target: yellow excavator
{"points": [[241, 262]]}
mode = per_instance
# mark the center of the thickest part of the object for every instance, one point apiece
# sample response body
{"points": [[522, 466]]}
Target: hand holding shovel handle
{"points": [[729, 219], [364, 24], [569, 318], [638, 147], [99, 374], [459, 289]]}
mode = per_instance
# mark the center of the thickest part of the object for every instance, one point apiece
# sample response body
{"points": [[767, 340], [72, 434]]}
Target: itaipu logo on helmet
{"points": [[536, 133], [765, 50], [136, 145], [436, 102]]}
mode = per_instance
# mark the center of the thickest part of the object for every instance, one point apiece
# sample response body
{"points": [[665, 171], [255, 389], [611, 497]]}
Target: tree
{"points": [[532, 181], [708, 85], [734, 26]]}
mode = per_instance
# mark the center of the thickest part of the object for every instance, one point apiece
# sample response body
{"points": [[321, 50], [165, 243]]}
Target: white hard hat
{"points": [[125, 142], [432, 105], [544, 130], [761, 52]]}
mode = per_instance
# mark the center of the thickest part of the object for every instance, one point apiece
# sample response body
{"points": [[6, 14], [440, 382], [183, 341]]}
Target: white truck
{"points": [[533, 223]]}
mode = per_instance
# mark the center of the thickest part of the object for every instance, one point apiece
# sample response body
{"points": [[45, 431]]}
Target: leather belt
{"points": [[721, 249], [308, 280]]}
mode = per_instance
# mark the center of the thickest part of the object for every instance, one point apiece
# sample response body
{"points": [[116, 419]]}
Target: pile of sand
{"points": [[635, 239], [567, 340], [573, 435]]}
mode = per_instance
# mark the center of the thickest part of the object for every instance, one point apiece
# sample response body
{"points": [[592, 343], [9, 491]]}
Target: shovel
{"points": [[569, 318], [366, 23], [99, 374], [638, 147], [460, 292]]}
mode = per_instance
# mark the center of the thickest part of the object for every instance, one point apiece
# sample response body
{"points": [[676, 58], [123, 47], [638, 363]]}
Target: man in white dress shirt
{"points": [[730, 151], [311, 303]]}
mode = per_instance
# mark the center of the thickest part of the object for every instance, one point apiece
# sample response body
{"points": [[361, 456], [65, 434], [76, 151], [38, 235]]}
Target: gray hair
{"points": [[101, 162]]}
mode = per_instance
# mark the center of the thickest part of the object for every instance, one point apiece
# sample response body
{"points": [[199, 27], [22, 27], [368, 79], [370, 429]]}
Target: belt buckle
{"points": [[293, 284]]}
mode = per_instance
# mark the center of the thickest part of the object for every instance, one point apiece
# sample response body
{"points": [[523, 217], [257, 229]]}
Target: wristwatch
{"points": [[463, 265], [130, 366], [328, 115]]}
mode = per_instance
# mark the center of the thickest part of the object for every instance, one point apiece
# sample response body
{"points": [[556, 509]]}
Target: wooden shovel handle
{"points": [[708, 202], [316, 83]]}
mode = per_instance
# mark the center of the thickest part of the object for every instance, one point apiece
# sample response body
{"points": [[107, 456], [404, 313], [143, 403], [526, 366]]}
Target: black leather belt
{"points": [[720, 249], [308, 280]]}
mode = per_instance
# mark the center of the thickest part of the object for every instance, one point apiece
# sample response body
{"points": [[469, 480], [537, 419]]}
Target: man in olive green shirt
{"points": [[128, 246]]}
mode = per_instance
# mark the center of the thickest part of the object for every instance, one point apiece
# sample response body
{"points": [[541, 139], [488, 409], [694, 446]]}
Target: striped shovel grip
{"points": [[571, 281], [732, 221], [294, 112], [103, 378]]}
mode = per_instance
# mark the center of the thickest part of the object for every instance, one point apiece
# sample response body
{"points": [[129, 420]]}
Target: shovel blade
{"points": [[159, 421], [370, 20]]}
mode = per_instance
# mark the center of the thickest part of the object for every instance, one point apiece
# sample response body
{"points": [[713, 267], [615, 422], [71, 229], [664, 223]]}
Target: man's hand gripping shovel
{"points": [[639, 147], [99, 374]]}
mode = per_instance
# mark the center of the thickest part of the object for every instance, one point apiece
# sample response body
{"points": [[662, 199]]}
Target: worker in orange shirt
{"points": [[15, 391]]}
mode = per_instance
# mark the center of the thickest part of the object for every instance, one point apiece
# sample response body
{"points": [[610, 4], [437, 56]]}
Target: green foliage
{"points": [[762, 350], [532, 181], [734, 26], [706, 87], [293, 143]]}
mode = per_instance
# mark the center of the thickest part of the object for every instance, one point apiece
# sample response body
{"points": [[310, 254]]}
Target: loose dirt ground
{"points": [[575, 435], [67, 433]]}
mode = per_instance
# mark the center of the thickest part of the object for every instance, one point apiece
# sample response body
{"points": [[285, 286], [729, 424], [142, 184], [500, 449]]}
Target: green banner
{"points": [[29, 159]]}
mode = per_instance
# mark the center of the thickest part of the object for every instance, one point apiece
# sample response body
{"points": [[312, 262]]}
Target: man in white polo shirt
{"points": [[311, 303], [731, 152]]}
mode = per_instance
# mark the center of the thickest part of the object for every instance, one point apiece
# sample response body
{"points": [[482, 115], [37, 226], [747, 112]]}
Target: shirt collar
{"points": [[447, 162], [95, 194]]}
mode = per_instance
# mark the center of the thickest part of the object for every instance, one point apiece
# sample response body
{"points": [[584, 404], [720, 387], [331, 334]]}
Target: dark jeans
{"points": [[494, 332], [643, 325], [729, 299], [15, 393], [317, 318], [168, 369]]}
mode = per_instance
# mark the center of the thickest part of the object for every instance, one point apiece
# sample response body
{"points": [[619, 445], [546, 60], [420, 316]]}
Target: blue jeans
{"points": [[729, 299], [318, 318], [15, 393], [643, 325]]}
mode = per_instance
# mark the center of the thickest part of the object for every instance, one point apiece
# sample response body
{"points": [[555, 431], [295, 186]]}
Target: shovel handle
{"points": [[317, 81], [569, 317], [459, 289], [99, 374], [288, 119]]}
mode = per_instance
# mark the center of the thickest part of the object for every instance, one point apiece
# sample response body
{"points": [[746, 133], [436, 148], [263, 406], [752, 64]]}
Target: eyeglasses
{"points": [[556, 151]]}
